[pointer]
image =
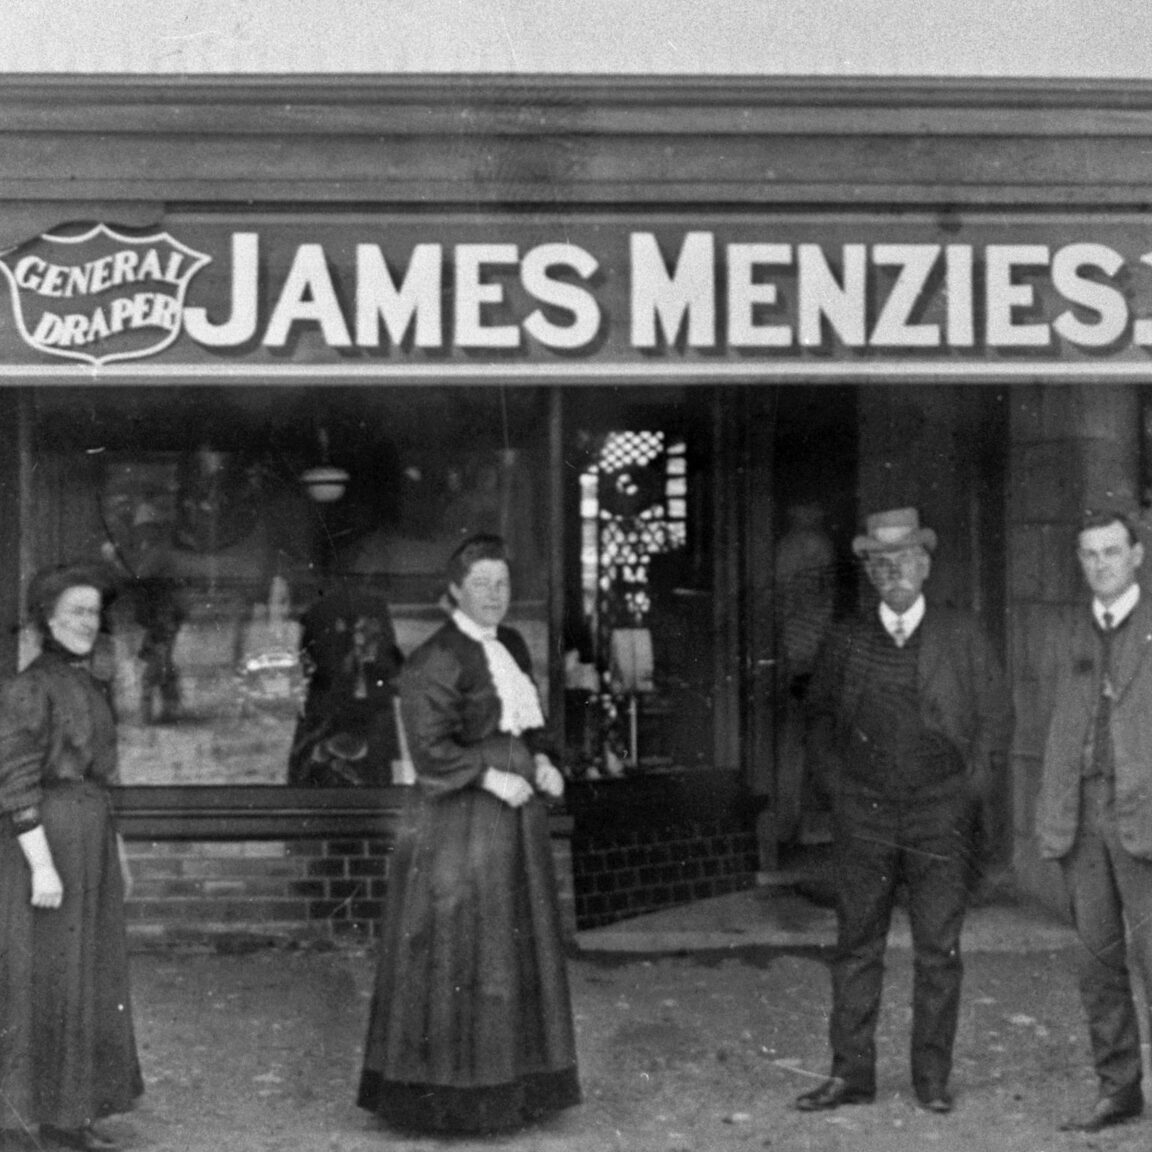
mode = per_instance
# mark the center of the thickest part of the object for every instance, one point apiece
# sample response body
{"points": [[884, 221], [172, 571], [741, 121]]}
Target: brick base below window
{"points": [[310, 889], [620, 872], [293, 888]]}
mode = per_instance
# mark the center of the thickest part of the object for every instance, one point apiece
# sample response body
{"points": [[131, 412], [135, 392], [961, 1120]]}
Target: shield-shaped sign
{"points": [[98, 294]]}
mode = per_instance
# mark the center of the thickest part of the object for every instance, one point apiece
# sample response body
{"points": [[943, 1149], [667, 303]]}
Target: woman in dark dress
{"points": [[471, 1023], [67, 1047]]}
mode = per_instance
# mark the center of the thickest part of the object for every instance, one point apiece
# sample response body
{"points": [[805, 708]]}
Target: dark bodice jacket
{"points": [[452, 718], [56, 725]]}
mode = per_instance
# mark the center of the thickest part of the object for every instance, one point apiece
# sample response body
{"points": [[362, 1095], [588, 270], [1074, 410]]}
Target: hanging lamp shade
{"points": [[324, 483]]}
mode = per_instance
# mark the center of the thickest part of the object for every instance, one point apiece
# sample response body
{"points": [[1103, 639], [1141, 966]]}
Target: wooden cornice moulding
{"points": [[494, 140], [428, 104]]}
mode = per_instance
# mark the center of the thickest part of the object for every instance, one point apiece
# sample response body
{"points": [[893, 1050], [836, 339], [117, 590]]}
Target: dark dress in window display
{"points": [[471, 1023], [67, 1044], [346, 735]]}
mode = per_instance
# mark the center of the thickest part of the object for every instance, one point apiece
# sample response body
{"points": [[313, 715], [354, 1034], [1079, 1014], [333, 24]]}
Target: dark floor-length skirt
{"points": [[67, 1044], [471, 1021]]}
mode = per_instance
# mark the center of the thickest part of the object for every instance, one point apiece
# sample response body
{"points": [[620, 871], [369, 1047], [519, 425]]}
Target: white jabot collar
{"points": [[519, 701], [470, 628]]}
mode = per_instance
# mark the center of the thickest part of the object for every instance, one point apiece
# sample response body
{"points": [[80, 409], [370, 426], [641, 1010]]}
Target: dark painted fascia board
{"points": [[499, 141]]}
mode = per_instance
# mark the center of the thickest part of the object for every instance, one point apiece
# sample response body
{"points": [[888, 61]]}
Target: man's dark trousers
{"points": [[1111, 895], [919, 838]]}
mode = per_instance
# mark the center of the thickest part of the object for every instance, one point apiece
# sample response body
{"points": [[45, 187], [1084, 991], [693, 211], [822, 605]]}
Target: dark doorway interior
{"points": [[814, 513]]}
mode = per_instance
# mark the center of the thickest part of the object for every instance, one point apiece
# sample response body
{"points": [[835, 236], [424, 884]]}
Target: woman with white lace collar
{"points": [[471, 1023]]}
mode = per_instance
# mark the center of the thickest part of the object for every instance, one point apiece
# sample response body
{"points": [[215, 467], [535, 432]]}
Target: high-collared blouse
{"points": [[452, 712]]}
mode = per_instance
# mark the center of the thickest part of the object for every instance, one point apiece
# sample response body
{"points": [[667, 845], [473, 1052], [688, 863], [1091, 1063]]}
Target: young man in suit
{"points": [[1094, 810]]}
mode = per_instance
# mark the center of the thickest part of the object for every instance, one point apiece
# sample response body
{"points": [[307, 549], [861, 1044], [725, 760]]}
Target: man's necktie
{"points": [[898, 633], [1102, 757]]}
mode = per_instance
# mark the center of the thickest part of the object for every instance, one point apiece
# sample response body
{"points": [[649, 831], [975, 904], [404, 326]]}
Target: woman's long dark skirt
{"points": [[67, 1044], [471, 1022]]}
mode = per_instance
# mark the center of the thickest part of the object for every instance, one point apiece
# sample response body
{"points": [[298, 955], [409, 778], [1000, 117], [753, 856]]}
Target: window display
{"points": [[257, 626]]}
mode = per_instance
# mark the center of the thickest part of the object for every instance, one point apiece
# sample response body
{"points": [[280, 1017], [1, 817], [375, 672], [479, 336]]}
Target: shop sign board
{"points": [[570, 295], [99, 295]]}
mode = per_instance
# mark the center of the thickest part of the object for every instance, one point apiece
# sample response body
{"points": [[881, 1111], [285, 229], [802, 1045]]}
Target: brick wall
{"points": [[623, 847], [619, 872], [311, 888]]}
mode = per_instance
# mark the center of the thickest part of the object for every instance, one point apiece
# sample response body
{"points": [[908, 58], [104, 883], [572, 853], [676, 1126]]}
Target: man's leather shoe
{"points": [[831, 1094], [937, 1100], [1106, 1112], [84, 1139]]}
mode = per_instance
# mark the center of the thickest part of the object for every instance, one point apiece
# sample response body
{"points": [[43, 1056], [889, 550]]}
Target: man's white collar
{"points": [[1119, 609], [909, 621]]}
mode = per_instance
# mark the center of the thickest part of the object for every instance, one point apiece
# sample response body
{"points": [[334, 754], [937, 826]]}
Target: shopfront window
{"points": [[277, 554]]}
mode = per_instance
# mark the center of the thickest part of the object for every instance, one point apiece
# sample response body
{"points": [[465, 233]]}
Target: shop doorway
{"points": [[818, 459], [800, 513]]}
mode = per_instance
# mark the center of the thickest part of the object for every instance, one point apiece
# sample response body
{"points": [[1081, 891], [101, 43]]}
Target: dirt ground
{"points": [[260, 1049]]}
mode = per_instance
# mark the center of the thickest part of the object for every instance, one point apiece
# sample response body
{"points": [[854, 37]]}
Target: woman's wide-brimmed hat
{"points": [[893, 530]]}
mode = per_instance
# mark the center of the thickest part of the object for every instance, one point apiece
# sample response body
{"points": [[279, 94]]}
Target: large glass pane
{"points": [[263, 606]]}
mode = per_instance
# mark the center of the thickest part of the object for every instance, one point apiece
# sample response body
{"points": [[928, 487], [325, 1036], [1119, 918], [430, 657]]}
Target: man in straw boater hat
{"points": [[908, 723]]}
